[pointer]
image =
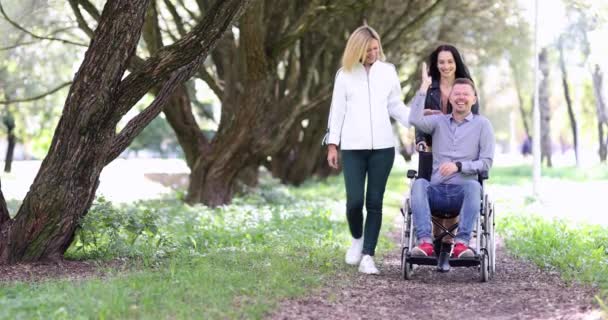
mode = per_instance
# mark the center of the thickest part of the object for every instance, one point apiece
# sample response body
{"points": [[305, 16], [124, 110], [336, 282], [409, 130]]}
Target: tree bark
{"points": [[9, 123], [571, 116], [603, 140], [600, 108], [178, 111], [520, 97], [10, 149], [298, 159], [4, 214], [85, 139], [545, 109], [214, 174]]}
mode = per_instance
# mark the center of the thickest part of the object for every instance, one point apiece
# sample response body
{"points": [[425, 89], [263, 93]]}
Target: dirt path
{"points": [[519, 290]]}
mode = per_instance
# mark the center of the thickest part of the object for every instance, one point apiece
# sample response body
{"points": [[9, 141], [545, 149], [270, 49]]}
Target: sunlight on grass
{"points": [[239, 261], [557, 231]]}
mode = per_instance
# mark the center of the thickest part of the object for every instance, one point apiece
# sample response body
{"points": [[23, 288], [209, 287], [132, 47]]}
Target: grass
{"points": [[238, 261], [509, 175], [188, 262], [579, 251]]}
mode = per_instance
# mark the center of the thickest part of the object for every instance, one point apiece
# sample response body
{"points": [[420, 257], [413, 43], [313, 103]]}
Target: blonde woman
{"points": [[367, 92]]}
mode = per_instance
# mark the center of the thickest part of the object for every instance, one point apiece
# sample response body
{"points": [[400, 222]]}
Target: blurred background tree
{"points": [[262, 97]]}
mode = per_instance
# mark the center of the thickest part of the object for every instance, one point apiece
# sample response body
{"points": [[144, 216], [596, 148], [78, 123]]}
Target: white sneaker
{"points": [[367, 265], [353, 254]]}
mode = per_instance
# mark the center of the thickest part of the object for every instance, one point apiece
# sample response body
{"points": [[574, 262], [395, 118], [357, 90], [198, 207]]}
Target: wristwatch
{"points": [[459, 166]]}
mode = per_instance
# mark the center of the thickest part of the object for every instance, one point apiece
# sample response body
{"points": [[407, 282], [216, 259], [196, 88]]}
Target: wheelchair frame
{"points": [[483, 235]]}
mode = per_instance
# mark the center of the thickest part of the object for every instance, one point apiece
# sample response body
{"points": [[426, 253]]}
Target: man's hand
{"points": [[447, 168], [332, 156]]}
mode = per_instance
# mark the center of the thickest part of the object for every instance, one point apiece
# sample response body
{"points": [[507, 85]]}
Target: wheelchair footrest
{"points": [[454, 262]]}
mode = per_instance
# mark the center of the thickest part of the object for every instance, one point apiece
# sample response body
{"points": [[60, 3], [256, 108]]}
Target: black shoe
{"points": [[443, 262]]}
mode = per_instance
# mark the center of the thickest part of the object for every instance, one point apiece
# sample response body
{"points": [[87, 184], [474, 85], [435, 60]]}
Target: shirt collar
{"points": [[467, 118]]}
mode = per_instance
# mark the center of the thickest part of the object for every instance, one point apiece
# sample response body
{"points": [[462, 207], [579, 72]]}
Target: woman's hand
{"points": [[430, 112], [332, 156], [426, 79]]}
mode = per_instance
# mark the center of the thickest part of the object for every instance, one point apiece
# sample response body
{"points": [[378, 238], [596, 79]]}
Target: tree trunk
{"points": [[178, 111], [85, 139], [603, 150], [573, 125], [4, 214], [520, 98], [214, 174], [65, 186], [10, 149], [9, 123], [600, 108], [298, 159], [545, 110]]}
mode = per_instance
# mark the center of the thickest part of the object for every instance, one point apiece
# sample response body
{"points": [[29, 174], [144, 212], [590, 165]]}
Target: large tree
{"points": [[85, 140]]}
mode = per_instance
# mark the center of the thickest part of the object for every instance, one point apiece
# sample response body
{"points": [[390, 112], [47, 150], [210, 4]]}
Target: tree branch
{"points": [[179, 23], [139, 122], [193, 15], [319, 100], [4, 215], [82, 24], [418, 20], [40, 96], [195, 44], [301, 26], [17, 45], [211, 82], [90, 9], [22, 29]]}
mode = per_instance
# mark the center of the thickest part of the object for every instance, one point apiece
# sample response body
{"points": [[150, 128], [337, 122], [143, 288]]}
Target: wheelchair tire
{"points": [[484, 267], [406, 267], [493, 244]]}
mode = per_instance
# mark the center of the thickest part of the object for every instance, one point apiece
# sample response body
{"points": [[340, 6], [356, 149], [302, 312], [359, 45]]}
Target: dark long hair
{"points": [[461, 69]]}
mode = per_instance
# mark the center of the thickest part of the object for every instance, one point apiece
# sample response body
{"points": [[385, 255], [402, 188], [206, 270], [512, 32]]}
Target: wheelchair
{"points": [[483, 235]]}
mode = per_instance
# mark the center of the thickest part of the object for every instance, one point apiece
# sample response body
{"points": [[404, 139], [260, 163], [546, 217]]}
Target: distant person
{"points": [[526, 146], [445, 65], [367, 92], [463, 146]]}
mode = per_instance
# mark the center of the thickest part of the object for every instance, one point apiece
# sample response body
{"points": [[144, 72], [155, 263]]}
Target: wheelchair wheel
{"points": [[484, 267], [493, 243], [406, 267]]}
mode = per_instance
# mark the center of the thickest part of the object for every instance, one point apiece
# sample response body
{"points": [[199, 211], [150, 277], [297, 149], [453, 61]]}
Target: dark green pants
{"points": [[376, 165]]}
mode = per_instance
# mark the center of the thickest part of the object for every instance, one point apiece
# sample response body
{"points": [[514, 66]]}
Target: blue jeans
{"points": [[426, 197]]}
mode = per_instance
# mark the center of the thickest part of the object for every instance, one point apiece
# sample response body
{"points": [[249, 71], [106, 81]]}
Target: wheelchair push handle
{"points": [[421, 146]]}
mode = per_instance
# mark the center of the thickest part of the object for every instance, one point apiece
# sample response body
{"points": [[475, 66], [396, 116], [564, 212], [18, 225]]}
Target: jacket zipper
{"points": [[369, 98]]}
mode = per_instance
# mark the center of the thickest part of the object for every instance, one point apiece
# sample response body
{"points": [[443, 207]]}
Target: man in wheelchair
{"points": [[463, 147]]}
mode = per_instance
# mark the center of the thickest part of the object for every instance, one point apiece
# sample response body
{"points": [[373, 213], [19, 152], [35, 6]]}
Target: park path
{"points": [[519, 290]]}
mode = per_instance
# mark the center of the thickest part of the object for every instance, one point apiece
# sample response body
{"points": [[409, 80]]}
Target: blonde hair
{"points": [[356, 47]]}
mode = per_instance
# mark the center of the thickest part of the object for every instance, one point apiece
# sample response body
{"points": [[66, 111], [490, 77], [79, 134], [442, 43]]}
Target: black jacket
{"points": [[433, 101]]}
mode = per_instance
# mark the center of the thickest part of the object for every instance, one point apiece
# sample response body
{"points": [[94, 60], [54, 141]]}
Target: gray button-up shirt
{"points": [[471, 142]]}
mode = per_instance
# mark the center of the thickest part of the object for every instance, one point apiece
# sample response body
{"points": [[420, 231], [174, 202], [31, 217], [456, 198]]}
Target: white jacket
{"points": [[361, 105]]}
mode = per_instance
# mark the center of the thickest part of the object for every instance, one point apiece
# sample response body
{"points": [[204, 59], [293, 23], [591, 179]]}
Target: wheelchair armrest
{"points": [[411, 174]]}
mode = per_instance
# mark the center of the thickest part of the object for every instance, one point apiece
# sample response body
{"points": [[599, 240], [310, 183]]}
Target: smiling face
{"points": [[462, 98], [373, 52], [446, 64]]}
